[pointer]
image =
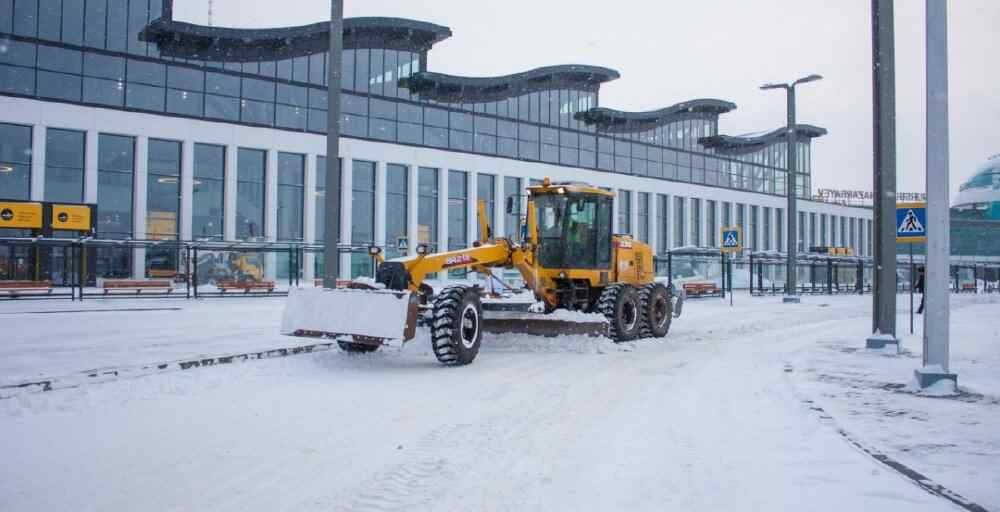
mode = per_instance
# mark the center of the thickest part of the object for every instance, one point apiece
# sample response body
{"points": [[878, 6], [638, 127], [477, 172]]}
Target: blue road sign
{"points": [[911, 222], [732, 239]]}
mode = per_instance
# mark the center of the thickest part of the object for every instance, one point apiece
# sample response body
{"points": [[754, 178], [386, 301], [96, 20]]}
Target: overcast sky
{"points": [[670, 51]]}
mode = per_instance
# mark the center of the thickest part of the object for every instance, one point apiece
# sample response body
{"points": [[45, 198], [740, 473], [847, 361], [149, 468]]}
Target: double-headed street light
{"points": [[791, 184]]}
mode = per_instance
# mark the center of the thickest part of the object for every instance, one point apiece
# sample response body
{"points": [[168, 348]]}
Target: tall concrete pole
{"points": [[936, 313], [791, 185], [884, 103], [331, 258]]}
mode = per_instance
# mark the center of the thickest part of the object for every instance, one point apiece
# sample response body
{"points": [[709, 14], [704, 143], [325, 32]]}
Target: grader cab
{"points": [[568, 257]]}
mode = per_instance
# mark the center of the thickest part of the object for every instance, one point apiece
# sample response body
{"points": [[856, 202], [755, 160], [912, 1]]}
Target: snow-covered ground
{"points": [[719, 416]]}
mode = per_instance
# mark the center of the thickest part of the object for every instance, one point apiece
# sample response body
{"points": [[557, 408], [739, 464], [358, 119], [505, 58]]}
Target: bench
{"points": [[245, 286], [696, 289], [15, 289], [969, 288], [136, 286], [318, 283]]}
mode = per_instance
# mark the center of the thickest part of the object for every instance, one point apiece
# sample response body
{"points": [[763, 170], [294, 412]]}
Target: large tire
{"points": [[356, 348], [656, 311], [456, 331], [620, 304]]}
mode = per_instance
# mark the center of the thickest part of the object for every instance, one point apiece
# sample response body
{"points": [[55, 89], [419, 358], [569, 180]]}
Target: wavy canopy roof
{"points": [[738, 144], [190, 41], [460, 89], [611, 120]]}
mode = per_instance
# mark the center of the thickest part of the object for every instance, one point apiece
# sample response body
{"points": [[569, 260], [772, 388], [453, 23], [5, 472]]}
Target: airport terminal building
{"points": [[185, 132]]}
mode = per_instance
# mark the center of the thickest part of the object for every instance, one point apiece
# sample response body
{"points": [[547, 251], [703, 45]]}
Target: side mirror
{"points": [[510, 205]]}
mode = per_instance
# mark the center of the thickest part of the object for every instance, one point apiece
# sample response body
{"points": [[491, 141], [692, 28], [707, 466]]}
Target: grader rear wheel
{"points": [[620, 304], [656, 311]]}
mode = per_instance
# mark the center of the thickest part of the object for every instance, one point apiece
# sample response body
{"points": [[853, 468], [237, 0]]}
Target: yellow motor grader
{"points": [[569, 258]]}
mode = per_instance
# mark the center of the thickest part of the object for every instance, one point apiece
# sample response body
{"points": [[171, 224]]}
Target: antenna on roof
{"points": [[210, 12]]}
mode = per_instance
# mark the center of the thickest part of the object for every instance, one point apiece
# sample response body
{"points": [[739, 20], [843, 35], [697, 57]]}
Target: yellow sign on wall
{"points": [[71, 217], [21, 215]]}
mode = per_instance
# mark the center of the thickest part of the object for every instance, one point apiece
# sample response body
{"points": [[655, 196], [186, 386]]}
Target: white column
{"points": [[346, 211], [309, 220], [38, 154], [271, 211], [380, 208], [187, 190], [689, 211], [139, 214], [90, 168], [412, 211], [229, 193]]}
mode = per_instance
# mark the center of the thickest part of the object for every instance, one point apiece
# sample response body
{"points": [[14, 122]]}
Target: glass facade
{"points": [[427, 207], [163, 189], [512, 190], [823, 227], [15, 161], [115, 175], [291, 196], [397, 211], [766, 234], [624, 212], [458, 194], [679, 222], [712, 228], [779, 224], [362, 215], [91, 53], [696, 222], [251, 165], [486, 192], [208, 203], [663, 222], [64, 165], [643, 231]]}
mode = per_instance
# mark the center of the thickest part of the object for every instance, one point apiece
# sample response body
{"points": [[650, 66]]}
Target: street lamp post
{"points": [[791, 183]]}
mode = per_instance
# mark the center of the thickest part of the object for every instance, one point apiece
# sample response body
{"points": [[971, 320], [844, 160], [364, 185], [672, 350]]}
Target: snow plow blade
{"points": [[369, 317], [540, 324]]}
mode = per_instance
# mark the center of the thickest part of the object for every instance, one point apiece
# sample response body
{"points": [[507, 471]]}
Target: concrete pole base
{"points": [[791, 299], [882, 341], [931, 375]]}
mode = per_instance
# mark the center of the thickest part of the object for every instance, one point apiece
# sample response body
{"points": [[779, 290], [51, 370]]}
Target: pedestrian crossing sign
{"points": [[911, 223], [732, 239]]}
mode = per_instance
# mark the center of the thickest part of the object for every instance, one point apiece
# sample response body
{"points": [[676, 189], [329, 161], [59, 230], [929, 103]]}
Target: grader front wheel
{"points": [[456, 328]]}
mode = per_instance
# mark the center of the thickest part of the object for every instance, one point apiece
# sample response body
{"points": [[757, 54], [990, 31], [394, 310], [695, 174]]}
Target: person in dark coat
{"points": [[919, 288]]}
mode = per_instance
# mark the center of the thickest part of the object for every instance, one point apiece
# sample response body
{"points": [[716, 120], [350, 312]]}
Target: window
{"points": [[727, 214], [754, 238], [741, 211], [512, 192], [427, 207], [115, 167], [801, 242], [208, 213], [822, 229], [250, 178], [767, 228], [486, 192], [779, 223], [15, 154], [643, 213], [624, 212], [163, 190], [696, 222], [291, 195], [320, 210], [362, 215], [64, 164], [145, 87], [458, 193], [663, 222], [184, 91], [679, 219], [397, 213], [712, 228]]}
